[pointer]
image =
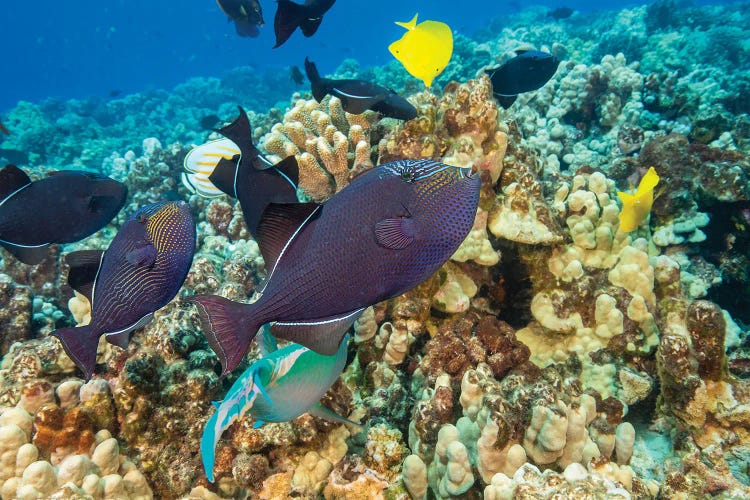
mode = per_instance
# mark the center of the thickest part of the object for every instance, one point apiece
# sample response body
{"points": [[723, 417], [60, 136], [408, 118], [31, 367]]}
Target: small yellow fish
{"points": [[636, 207], [425, 48]]}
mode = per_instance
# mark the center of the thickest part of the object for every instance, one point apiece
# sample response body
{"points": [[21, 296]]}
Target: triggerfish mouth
{"points": [[279, 387], [383, 234], [64, 207], [141, 271], [234, 166]]}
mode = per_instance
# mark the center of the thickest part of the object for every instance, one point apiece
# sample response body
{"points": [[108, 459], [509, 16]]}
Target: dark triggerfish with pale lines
{"points": [[141, 271], [383, 234]]}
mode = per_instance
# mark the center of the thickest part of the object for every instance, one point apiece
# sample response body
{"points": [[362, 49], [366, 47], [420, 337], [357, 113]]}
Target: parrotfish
{"points": [[425, 49], [235, 167], [636, 207], [357, 96], [384, 233], [141, 271], [246, 14], [64, 207], [307, 17], [279, 387], [528, 71]]}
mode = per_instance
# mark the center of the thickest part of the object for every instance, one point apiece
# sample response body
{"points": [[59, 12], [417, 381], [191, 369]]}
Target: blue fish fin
{"points": [[396, 233], [84, 266], [325, 413], [262, 390], [211, 434], [27, 254], [229, 327], [279, 224], [216, 404], [80, 344], [142, 256], [267, 342], [121, 338], [12, 179], [323, 335], [258, 423]]}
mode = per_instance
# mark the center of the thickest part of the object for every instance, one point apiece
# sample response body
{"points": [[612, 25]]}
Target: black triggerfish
{"points": [[290, 16], [383, 234], [246, 14], [528, 71], [64, 207], [141, 271], [357, 96]]}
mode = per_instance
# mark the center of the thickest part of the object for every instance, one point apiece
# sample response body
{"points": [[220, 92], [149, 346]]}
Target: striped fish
{"points": [[279, 387], [141, 271], [200, 163]]}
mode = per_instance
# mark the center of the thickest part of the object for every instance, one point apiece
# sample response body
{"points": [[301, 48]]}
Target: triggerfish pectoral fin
{"points": [[229, 328], [80, 344], [27, 254]]}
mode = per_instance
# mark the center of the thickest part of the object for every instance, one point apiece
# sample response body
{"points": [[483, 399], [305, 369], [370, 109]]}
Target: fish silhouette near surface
{"points": [[306, 17], [528, 71], [279, 387], [383, 234], [425, 49], [357, 96], [234, 166], [141, 271], [637, 206], [64, 207], [246, 14]]}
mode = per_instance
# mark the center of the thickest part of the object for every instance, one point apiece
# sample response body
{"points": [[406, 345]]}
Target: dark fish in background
{"points": [[383, 234], [141, 271], [5, 130], [296, 75], [209, 122], [115, 92], [251, 178], [357, 96], [65, 207], [560, 13], [528, 71], [290, 16], [246, 14]]}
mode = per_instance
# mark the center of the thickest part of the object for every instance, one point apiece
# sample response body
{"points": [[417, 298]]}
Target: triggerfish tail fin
{"points": [[80, 344], [316, 82], [229, 327], [411, 24], [201, 162], [288, 17]]}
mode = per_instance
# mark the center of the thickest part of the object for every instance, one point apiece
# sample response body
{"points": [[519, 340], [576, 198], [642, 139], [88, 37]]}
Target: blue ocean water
{"points": [[77, 48]]}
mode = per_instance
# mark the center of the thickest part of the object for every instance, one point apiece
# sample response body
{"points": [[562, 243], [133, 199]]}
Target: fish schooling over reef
{"points": [[306, 17], [246, 14], [387, 231], [528, 71], [425, 49], [279, 387], [637, 206], [141, 271], [222, 167], [64, 207], [357, 96]]}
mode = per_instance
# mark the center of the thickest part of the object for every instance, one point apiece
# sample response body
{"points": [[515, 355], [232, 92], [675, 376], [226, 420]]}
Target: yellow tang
{"points": [[425, 48], [636, 207]]}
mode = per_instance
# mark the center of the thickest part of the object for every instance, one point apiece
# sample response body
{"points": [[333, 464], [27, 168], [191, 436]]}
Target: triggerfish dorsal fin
{"points": [[84, 265], [239, 133], [317, 84], [224, 176], [278, 225], [322, 335], [12, 179]]}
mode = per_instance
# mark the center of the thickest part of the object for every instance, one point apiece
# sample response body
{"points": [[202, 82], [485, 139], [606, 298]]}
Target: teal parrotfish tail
{"points": [[279, 387], [64, 207], [383, 234], [141, 271], [234, 166]]}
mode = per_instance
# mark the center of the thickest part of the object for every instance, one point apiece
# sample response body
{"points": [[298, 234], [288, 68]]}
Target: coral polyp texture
{"points": [[554, 355]]}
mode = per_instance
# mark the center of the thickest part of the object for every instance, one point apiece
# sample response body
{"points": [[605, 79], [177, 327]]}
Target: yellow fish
{"points": [[425, 48], [636, 207]]}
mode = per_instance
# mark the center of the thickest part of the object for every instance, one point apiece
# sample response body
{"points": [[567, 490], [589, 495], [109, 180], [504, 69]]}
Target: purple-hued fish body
{"points": [[141, 271], [65, 207], [383, 234]]}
